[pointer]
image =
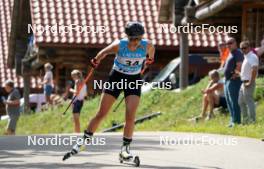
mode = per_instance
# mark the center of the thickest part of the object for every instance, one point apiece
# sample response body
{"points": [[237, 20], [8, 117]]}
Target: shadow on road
{"points": [[20, 143], [21, 153], [91, 165]]}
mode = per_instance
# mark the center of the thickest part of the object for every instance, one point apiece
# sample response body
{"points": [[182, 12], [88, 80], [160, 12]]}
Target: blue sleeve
{"points": [[144, 42], [121, 45]]}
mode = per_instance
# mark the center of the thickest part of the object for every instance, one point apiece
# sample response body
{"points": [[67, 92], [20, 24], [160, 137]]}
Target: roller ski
{"points": [[126, 156], [75, 150], [79, 146]]}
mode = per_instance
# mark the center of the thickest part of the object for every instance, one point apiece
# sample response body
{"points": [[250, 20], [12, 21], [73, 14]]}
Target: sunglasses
{"points": [[230, 43], [244, 48]]}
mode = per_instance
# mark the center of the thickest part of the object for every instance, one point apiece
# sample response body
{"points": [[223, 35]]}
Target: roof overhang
{"points": [[203, 9], [211, 8]]}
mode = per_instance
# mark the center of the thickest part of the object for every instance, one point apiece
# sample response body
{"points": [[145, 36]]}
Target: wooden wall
{"points": [[253, 22], [65, 60]]}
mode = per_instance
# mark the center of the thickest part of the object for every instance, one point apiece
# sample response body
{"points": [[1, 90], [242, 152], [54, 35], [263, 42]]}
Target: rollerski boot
{"points": [[126, 156], [79, 146]]}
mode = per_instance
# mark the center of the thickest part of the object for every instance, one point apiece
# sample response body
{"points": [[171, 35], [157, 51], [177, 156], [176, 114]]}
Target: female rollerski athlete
{"points": [[131, 52]]}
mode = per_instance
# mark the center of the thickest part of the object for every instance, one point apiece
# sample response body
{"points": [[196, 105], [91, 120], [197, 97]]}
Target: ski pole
{"points": [[78, 91], [117, 106]]}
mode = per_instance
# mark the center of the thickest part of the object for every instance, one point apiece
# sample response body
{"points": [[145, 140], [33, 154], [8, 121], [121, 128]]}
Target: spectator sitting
{"points": [[37, 100], [34, 98], [12, 107], [213, 95]]}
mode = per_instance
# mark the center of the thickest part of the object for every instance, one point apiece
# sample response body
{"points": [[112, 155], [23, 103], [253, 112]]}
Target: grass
{"points": [[176, 109]]}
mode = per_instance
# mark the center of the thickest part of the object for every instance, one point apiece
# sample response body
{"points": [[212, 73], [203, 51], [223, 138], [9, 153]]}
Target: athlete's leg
{"points": [[107, 100], [132, 103], [76, 119], [106, 103]]}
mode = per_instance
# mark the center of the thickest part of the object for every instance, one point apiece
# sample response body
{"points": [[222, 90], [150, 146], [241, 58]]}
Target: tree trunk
{"points": [[26, 91], [184, 54]]}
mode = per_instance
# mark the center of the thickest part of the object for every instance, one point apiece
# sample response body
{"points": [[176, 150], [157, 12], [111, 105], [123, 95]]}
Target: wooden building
{"points": [[247, 15], [67, 51], [240, 19]]}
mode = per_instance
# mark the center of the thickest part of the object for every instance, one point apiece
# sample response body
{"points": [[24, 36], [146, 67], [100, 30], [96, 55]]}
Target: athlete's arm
{"points": [[151, 51], [111, 49]]}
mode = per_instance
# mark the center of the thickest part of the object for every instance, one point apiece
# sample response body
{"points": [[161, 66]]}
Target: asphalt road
{"points": [[157, 150]]}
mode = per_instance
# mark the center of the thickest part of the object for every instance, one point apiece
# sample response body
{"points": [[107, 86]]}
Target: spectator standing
{"points": [[12, 107], [224, 53], [260, 50], [48, 82], [249, 71], [233, 81], [80, 91]]}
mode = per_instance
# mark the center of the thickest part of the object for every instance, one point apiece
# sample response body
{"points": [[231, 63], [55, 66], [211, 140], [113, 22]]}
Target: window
{"points": [[253, 23]]}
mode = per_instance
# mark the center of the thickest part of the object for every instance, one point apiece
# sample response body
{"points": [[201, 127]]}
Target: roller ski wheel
{"points": [[66, 156], [74, 151], [135, 160], [121, 160]]}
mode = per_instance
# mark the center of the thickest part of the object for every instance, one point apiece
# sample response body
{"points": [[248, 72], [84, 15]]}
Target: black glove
{"points": [[149, 61], [94, 63]]}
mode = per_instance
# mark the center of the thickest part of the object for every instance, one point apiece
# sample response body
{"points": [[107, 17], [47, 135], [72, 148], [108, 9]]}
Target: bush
{"points": [[259, 93]]}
